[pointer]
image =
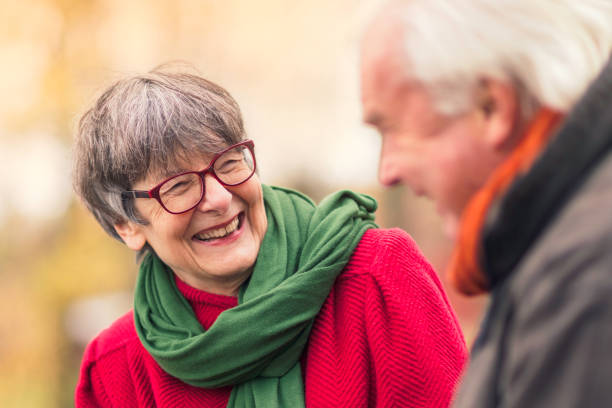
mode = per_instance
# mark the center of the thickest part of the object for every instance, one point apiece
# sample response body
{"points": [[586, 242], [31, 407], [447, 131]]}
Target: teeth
{"points": [[219, 232]]}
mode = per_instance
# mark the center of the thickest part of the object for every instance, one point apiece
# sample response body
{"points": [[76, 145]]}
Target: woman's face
{"points": [[212, 247]]}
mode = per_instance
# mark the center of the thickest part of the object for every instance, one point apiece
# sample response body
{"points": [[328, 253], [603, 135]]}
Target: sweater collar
{"points": [[199, 298]]}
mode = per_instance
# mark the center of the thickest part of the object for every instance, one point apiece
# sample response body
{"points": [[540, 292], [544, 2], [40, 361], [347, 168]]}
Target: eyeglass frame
{"points": [[154, 192]]}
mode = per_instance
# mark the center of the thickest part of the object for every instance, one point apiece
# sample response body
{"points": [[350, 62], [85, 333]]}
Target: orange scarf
{"points": [[464, 270]]}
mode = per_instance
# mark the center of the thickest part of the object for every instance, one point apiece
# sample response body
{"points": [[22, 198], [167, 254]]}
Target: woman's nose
{"points": [[216, 196]]}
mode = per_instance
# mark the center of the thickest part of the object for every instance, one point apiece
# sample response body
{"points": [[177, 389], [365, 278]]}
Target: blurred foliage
{"points": [[38, 366]]}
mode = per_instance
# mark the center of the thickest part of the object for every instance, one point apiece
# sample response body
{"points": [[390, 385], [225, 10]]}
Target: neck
{"points": [[465, 269], [226, 286]]}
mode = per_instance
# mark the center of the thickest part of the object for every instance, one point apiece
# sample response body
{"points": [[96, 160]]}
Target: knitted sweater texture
{"points": [[385, 337]]}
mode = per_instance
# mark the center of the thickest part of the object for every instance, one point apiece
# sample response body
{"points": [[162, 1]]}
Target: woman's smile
{"points": [[222, 234], [214, 246]]}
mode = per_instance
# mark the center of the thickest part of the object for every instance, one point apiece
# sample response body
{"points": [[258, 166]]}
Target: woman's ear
{"points": [[497, 102], [132, 234]]}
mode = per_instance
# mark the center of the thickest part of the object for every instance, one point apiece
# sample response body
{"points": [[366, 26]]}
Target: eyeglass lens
{"points": [[184, 191]]}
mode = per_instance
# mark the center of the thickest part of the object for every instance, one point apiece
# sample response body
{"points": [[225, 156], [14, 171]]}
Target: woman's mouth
{"points": [[220, 232]]}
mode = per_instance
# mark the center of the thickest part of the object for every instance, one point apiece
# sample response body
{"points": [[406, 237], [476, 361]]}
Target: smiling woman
{"points": [[248, 295], [215, 247]]}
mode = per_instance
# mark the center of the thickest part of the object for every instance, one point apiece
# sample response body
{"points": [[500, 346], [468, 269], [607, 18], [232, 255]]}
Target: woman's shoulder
{"points": [[108, 366], [388, 238], [379, 247], [117, 336], [390, 256]]}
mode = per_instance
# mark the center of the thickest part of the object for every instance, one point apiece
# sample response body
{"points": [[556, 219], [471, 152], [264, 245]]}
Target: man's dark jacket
{"points": [[546, 340]]}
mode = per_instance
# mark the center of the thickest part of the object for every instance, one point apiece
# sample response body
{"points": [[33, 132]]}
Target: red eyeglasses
{"points": [[183, 192]]}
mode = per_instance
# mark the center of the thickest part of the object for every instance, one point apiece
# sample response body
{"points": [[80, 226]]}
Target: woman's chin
{"points": [[218, 264]]}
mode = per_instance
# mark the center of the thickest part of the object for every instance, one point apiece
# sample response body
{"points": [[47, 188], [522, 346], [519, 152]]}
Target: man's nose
{"points": [[388, 168]]}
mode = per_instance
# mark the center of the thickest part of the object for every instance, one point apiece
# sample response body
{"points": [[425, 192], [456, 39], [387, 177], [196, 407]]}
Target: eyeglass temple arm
{"points": [[135, 194]]}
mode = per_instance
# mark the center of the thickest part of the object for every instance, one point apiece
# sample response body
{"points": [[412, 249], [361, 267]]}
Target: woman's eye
{"points": [[229, 165], [177, 187]]}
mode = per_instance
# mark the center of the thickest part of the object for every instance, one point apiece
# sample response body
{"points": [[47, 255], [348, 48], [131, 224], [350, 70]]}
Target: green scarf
{"points": [[256, 346]]}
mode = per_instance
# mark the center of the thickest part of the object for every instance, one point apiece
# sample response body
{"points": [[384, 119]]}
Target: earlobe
{"points": [[132, 234], [497, 101]]}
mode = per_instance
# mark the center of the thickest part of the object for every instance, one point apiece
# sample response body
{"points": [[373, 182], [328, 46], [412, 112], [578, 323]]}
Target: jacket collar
{"points": [[507, 216], [534, 200]]}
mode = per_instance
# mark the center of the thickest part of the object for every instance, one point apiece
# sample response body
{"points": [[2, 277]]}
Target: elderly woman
{"points": [[248, 295]]}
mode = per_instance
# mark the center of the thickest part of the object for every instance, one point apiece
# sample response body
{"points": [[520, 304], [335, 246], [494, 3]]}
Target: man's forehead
{"points": [[383, 64], [384, 33], [382, 79], [383, 60]]}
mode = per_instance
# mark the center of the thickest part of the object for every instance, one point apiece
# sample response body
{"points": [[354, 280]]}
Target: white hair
{"points": [[549, 49]]}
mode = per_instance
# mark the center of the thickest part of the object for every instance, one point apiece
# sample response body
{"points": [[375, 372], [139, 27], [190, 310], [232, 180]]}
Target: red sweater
{"points": [[385, 337]]}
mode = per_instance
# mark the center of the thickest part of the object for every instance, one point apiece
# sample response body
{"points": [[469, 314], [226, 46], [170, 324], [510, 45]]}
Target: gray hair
{"points": [[549, 49], [146, 125]]}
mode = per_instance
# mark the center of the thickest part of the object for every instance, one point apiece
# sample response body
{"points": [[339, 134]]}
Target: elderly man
{"points": [[501, 112]]}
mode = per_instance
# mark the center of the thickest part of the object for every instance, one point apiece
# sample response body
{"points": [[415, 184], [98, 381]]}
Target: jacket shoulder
{"points": [[547, 327], [576, 244]]}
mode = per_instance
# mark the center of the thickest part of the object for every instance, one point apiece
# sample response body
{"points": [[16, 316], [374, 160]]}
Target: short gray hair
{"points": [[147, 124], [549, 49]]}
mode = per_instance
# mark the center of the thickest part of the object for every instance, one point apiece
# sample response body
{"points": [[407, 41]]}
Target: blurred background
{"points": [[291, 65]]}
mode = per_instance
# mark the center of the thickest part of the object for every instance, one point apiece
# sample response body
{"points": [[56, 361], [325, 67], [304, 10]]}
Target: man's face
{"points": [[443, 157]]}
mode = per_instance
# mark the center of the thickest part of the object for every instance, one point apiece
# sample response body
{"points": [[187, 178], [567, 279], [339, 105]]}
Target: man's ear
{"points": [[498, 104], [132, 234]]}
